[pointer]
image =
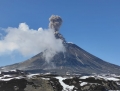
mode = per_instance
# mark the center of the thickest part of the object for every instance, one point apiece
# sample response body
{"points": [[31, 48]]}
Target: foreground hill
{"points": [[20, 81]]}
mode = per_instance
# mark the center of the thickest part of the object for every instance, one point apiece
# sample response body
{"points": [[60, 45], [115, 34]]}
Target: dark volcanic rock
{"points": [[55, 84], [37, 82], [13, 85]]}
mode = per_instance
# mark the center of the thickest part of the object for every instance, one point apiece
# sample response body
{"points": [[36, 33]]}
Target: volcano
{"points": [[73, 60]]}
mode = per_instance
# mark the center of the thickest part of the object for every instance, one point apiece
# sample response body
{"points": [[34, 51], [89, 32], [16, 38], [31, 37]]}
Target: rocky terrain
{"points": [[20, 81]]}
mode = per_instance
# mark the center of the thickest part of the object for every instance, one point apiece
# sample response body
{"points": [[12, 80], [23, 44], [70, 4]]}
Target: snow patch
{"points": [[84, 77], [103, 77], [8, 78], [83, 83], [31, 75], [46, 78], [13, 71], [64, 85], [113, 79]]}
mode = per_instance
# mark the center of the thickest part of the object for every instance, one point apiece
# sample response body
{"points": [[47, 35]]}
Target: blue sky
{"points": [[94, 25]]}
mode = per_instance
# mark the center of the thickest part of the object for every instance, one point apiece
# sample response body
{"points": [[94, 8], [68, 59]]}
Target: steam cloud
{"points": [[55, 23], [30, 42]]}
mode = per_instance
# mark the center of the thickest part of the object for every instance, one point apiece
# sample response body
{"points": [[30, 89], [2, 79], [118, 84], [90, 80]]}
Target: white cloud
{"points": [[1, 36], [30, 42]]}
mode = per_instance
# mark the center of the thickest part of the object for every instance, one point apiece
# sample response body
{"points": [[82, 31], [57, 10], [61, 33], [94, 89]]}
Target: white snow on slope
{"points": [[46, 78], [103, 77], [109, 78], [113, 79], [31, 75], [83, 83], [9, 78], [63, 84], [84, 77]]}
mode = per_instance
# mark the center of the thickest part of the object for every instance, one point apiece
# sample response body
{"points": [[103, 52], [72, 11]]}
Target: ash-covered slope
{"points": [[74, 60]]}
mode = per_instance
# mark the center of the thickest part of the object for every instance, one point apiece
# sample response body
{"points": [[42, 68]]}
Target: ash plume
{"points": [[55, 23]]}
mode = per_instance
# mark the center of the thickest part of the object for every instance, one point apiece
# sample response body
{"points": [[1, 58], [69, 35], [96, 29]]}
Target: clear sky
{"points": [[93, 25]]}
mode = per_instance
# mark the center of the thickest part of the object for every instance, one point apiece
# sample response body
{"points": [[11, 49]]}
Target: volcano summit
{"points": [[71, 58]]}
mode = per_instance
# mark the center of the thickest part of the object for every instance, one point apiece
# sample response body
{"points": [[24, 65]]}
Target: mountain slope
{"points": [[74, 60]]}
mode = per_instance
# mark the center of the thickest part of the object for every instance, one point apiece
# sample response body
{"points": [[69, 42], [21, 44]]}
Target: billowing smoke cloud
{"points": [[30, 42], [55, 22]]}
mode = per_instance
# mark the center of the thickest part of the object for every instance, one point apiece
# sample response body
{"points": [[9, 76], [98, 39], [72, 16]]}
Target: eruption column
{"points": [[55, 23]]}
